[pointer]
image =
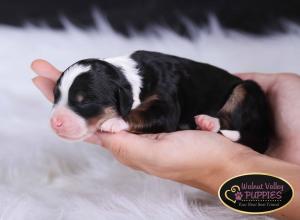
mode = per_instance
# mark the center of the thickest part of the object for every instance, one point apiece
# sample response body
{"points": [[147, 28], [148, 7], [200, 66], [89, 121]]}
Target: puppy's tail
{"points": [[231, 134]]}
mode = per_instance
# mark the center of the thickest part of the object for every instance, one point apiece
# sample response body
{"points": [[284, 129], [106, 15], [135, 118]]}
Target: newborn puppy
{"points": [[150, 92]]}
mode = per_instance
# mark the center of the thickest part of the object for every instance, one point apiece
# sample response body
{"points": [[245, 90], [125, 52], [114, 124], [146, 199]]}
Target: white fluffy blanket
{"points": [[43, 177]]}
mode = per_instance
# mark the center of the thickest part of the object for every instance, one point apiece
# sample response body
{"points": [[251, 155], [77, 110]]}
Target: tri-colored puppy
{"points": [[150, 92]]}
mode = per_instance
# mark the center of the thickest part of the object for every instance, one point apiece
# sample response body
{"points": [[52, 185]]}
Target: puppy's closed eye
{"points": [[80, 98]]}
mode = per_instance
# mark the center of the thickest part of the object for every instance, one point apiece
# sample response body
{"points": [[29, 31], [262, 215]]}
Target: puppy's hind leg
{"points": [[246, 111], [208, 123]]}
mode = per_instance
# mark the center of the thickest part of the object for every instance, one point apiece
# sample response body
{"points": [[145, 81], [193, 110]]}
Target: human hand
{"points": [[282, 91]]}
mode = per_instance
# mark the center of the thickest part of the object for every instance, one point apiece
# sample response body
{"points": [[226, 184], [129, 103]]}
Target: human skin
{"points": [[204, 159]]}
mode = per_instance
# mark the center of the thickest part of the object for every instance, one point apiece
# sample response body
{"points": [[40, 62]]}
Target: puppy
{"points": [[150, 92]]}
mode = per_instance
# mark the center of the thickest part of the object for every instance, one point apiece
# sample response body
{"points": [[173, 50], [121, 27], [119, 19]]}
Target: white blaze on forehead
{"points": [[130, 71], [68, 78]]}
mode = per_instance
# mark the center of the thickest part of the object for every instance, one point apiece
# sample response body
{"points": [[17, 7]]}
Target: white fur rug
{"points": [[42, 177]]}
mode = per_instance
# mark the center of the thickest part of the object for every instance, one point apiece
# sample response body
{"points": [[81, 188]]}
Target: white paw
{"points": [[114, 125], [208, 123]]}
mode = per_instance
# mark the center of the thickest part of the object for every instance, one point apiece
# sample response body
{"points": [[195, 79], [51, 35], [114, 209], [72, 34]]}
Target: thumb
{"points": [[130, 149]]}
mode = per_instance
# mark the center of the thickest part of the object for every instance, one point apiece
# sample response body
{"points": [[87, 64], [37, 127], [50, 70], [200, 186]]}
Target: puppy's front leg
{"points": [[153, 115], [114, 125]]}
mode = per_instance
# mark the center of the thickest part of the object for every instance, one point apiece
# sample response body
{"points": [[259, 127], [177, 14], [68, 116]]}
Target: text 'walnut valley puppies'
{"points": [[149, 92]]}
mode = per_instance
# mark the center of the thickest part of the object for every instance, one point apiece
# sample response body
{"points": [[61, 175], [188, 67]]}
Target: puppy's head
{"points": [[87, 94]]}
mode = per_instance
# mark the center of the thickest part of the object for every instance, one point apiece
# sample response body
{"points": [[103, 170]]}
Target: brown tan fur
{"points": [[135, 118], [236, 98], [108, 113]]}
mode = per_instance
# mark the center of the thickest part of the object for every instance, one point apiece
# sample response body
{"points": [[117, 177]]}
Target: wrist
{"points": [[235, 161]]}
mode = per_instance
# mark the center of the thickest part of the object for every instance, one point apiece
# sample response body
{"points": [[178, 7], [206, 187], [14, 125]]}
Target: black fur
{"points": [[174, 90], [194, 88]]}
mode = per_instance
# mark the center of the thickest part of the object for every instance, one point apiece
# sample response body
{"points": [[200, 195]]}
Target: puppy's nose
{"points": [[56, 123]]}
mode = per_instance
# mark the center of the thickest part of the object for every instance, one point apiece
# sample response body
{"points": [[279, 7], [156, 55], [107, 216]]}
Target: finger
{"points": [[46, 86], [45, 69], [131, 149], [265, 80]]}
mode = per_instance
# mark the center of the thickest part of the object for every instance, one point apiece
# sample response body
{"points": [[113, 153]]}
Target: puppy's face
{"points": [[86, 95]]}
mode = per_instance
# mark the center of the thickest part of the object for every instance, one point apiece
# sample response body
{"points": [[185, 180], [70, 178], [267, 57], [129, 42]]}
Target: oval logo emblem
{"points": [[256, 193]]}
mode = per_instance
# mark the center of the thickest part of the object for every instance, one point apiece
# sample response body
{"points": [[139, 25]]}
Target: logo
{"points": [[256, 193]]}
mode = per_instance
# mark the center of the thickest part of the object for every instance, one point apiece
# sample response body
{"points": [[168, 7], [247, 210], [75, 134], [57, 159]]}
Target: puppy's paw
{"points": [[114, 125], [207, 123]]}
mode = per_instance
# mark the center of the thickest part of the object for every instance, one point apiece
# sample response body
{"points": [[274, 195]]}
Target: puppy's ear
{"points": [[124, 101]]}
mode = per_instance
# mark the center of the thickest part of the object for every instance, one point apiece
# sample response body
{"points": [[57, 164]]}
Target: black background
{"points": [[258, 17]]}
